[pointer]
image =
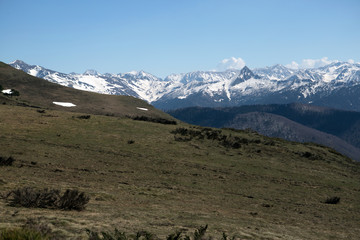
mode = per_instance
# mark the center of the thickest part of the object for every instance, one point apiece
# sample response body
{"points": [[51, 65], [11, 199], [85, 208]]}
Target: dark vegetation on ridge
{"points": [[161, 181]]}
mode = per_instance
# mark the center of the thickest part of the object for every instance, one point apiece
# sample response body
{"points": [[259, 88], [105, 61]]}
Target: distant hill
{"points": [[273, 125], [296, 122], [42, 93]]}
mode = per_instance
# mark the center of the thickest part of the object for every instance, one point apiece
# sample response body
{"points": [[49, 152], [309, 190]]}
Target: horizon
{"points": [[164, 38], [134, 72]]}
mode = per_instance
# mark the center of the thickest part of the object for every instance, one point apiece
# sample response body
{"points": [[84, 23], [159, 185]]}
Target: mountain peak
{"points": [[18, 62], [244, 75], [91, 72], [245, 69]]}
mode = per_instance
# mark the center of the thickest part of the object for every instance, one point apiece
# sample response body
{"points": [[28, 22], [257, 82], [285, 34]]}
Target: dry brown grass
{"points": [[160, 185]]}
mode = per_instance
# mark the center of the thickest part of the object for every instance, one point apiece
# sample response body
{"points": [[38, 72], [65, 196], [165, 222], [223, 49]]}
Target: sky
{"points": [[178, 36]]}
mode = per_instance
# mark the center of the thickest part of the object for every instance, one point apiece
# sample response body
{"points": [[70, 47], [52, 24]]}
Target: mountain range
{"points": [[335, 85]]}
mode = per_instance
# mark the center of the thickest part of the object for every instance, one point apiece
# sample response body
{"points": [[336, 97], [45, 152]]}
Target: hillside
{"points": [[41, 93], [277, 126], [144, 176], [339, 123]]}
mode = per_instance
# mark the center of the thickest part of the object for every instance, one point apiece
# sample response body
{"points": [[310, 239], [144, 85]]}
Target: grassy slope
{"points": [[260, 191], [39, 92]]}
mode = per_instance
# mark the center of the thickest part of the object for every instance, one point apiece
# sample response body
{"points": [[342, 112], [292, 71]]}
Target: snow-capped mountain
{"points": [[334, 85]]}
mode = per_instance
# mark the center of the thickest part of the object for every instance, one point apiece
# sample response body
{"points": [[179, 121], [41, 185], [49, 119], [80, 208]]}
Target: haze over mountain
{"points": [[334, 85]]}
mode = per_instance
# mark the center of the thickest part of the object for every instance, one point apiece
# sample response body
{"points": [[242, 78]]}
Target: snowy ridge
{"points": [[232, 87]]}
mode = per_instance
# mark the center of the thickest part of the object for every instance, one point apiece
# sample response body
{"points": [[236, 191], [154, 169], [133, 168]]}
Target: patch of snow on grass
{"points": [[7, 91], [64, 104], [143, 109]]}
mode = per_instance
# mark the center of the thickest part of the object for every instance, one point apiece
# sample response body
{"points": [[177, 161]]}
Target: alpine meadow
{"points": [[180, 120], [146, 171]]}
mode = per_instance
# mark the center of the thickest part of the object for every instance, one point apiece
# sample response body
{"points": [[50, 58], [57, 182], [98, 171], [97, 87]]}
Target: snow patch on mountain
{"points": [[227, 87], [64, 104]]}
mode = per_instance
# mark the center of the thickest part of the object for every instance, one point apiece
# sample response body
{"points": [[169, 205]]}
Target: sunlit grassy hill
{"points": [[162, 178]]}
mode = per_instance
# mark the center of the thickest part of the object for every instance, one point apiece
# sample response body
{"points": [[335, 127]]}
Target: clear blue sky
{"points": [[173, 36]]}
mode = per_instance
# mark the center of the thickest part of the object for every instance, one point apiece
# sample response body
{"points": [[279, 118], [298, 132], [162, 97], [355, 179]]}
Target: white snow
{"points": [[34, 71], [143, 109], [7, 91], [64, 104], [216, 84]]}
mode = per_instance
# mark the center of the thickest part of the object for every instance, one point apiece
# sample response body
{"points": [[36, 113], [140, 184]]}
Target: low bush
{"points": [[73, 200], [47, 198], [199, 234], [6, 161], [32, 198], [84, 117], [174, 236], [117, 235], [332, 200], [154, 120], [227, 141]]}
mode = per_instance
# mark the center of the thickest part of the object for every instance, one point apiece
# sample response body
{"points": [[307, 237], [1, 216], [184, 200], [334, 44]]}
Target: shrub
{"points": [[200, 232], [15, 92], [6, 161], [144, 235], [73, 200], [174, 236], [117, 235], [307, 155], [212, 134], [45, 198], [84, 117], [154, 120], [332, 200], [32, 198]]}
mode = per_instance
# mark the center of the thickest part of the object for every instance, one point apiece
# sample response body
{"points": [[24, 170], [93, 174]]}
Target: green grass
{"points": [[21, 234], [267, 189]]}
